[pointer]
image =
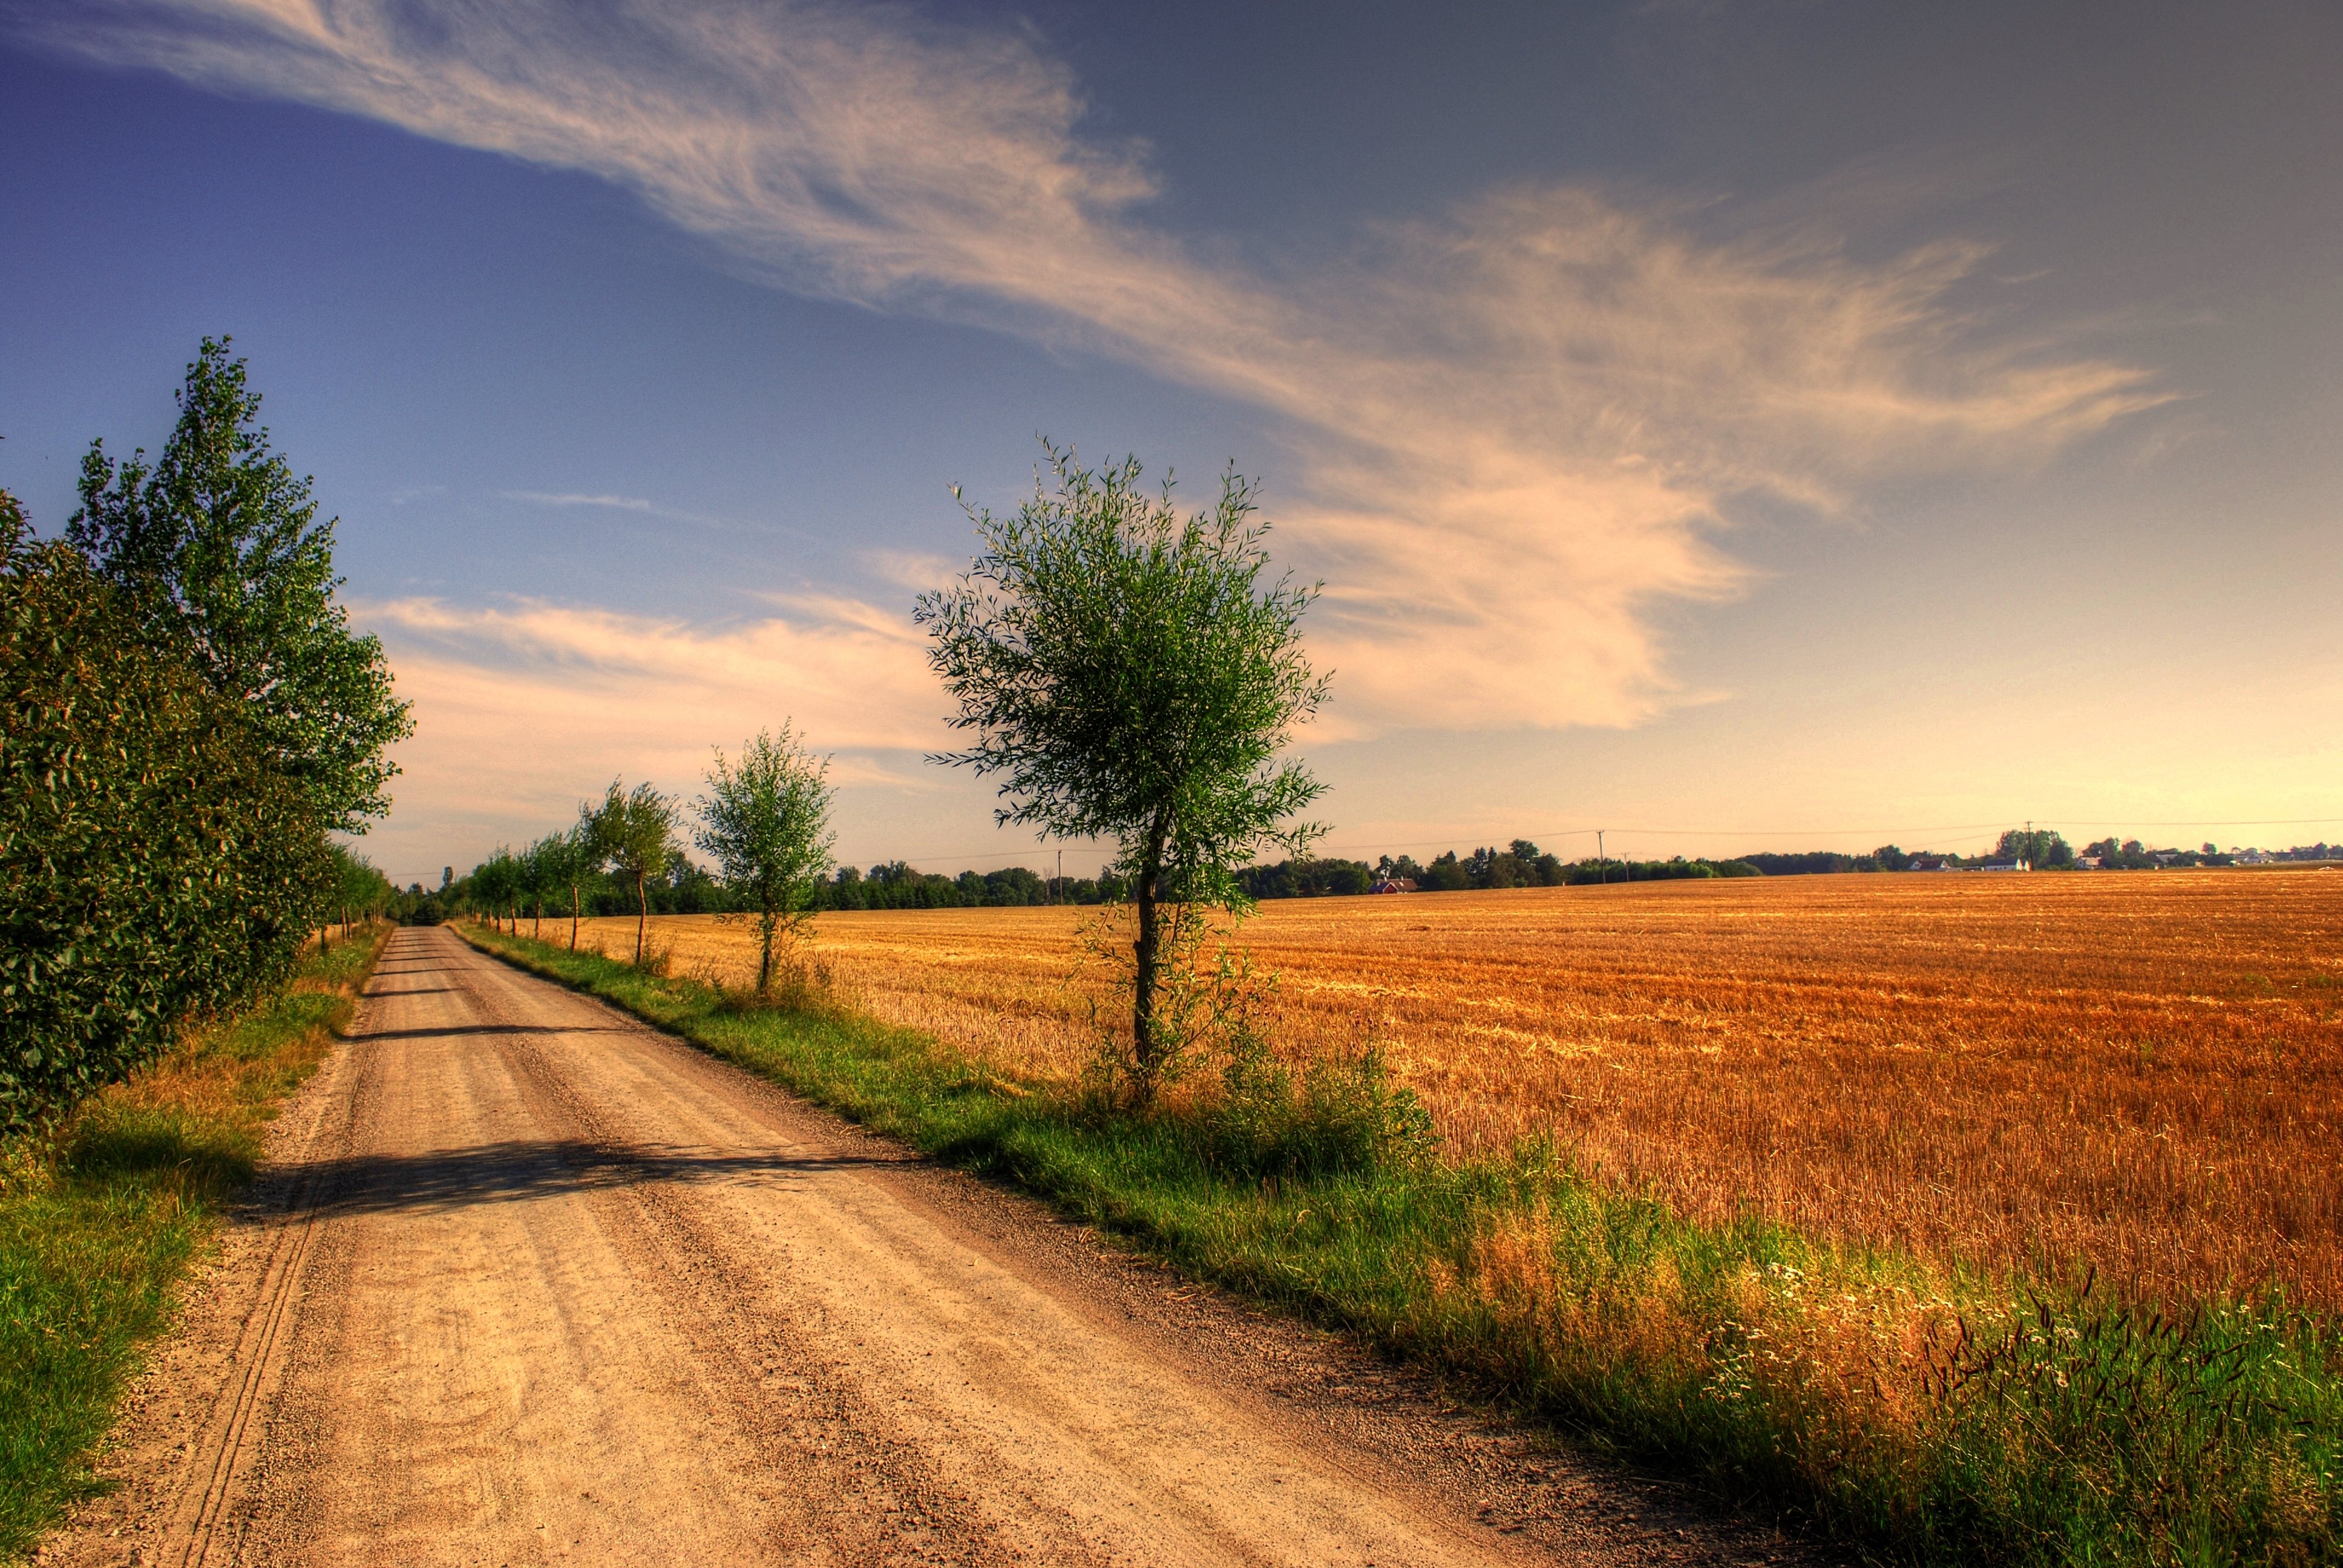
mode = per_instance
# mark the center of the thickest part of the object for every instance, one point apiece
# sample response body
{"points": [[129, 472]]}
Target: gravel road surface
{"points": [[526, 1281]]}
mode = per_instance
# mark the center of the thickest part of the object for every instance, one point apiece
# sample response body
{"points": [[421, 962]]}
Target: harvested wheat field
{"points": [[2140, 1070]]}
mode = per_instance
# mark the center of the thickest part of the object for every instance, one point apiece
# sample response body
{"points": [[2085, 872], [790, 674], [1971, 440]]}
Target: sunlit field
{"points": [[2143, 1070]]}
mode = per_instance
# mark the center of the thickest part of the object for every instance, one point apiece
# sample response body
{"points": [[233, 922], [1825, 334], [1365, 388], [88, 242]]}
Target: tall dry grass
{"points": [[2145, 1071]]}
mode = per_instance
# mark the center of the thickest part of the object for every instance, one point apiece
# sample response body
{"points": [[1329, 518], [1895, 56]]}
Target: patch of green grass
{"points": [[1927, 1414], [101, 1216]]}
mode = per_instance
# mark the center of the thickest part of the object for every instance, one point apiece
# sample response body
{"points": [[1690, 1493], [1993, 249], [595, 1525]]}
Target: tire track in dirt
{"points": [[258, 1354], [224, 1449]]}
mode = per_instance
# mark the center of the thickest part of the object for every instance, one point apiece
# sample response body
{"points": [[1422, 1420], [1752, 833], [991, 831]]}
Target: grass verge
{"points": [[1927, 1416], [101, 1216]]}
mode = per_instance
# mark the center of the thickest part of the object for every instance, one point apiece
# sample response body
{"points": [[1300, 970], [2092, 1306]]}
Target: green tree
{"points": [[569, 858], [378, 896], [493, 883], [1130, 677], [1445, 875], [765, 820], [357, 886], [634, 832], [535, 882], [220, 545], [156, 863], [2038, 847]]}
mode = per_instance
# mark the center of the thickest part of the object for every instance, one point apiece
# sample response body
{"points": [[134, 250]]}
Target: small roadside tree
{"points": [[535, 880], [1129, 677], [634, 832], [492, 884], [570, 858], [357, 886], [765, 820]]}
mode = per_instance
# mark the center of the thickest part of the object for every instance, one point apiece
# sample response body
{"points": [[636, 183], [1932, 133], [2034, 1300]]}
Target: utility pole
{"points": [[1056, 887], [1602, 857]]}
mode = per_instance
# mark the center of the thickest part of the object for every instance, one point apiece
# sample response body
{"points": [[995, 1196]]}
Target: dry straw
{"points": [[2142, 1070]]}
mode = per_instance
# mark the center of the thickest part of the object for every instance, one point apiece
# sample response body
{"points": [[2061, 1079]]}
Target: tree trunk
{"points": [[537, 926], [573, 917], [642, 917], [764, 964], [1146, 1052]]}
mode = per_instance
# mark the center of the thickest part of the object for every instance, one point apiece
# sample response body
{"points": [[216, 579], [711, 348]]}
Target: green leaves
{"points": [[219, 548], [1130, 677], [157, 859], [765, 820], [634, 830], [358, 888], [184, 714], [1120, 667]]}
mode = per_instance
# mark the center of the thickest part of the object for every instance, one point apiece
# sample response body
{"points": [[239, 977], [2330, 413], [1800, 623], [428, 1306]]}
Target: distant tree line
{"points": [[687, 889], [2131, 855], [1521, 864], [894, 885], [1518, 864], [187, 715]]}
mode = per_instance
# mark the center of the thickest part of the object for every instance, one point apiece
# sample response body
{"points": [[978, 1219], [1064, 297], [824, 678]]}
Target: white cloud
{"points": [[622, 503], [1520, 427], [519, 707], [914, 569]]}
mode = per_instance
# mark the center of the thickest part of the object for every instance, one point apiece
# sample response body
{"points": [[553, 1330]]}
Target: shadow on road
{"points": [[513, 1171], [454, 1029]]}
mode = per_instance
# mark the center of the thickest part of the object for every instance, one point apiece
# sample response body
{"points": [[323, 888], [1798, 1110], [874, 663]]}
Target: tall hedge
{"points": [[157, 861]]}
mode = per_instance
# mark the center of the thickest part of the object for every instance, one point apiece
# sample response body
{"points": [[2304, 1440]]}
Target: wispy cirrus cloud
{"points": [[620, 503], [1520, 427], [610, 503]]}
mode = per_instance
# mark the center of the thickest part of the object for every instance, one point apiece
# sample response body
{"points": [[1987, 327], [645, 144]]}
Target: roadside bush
{"points": [[157, 862], [1261, 1115], [1341, 1113]]}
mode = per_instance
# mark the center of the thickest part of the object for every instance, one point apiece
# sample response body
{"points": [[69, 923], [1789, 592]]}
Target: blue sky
{"points": [[1735, 426]]}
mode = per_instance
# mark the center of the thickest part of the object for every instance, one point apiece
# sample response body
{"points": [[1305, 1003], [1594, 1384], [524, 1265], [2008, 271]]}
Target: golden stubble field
{"points": [[2142, 1070]]}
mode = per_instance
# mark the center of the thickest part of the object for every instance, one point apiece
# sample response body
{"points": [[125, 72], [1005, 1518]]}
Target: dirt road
{"points": [[529, 1282]]}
